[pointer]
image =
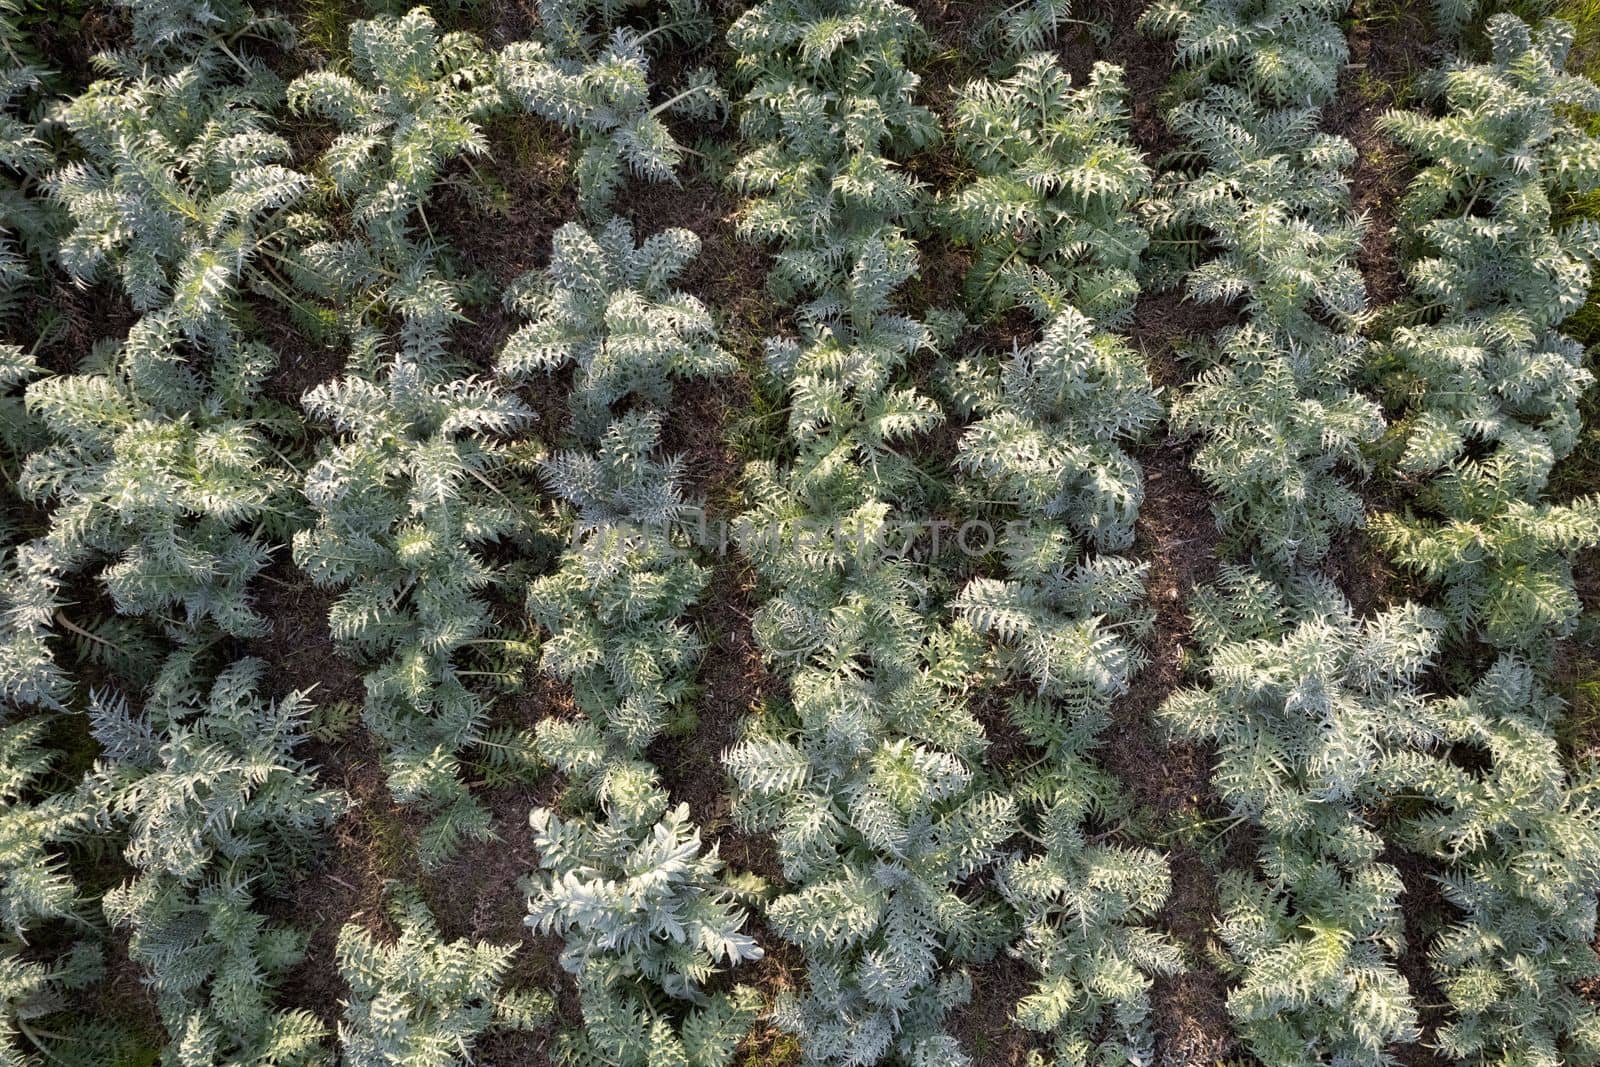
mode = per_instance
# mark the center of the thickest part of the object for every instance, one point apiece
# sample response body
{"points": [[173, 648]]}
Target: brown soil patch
{"points": [[297, 648], [984, 1024], [368, 846], [1362, 573], [1176, 534], [1172, 779], [1388, 49], [1146, 66], [1164, 321], [76, 317], [302, 363], [481, 895], [1424, 910], [733, 680], [1191, 1008], [729, 274]]}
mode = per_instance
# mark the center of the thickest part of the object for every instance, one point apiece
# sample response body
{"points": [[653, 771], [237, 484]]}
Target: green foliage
{"points": [[421, 1001], [877, 716], [1241, 55], [1030, 25], [1505, 564], [643, 915], [849, 417], [19, 432], [613, 611], [1085, 908], [604, 306], [1491, 390], [218, 809], [404, 502], [32, 992], [1316, 716], [1278, 424], [875, 907], [821, 174], [1522, 839], [160, 476], [620, 483], [1049, 449], [30, 229], [642, 908], [1509, 144], [877, 910], [412, 106], [605, 103], [181, 190], [1047, 453], [168, 34], [142, 492], [1275, 205], [35, 885], [157, 455], [1490, 393], [870, 779], [1267, 195], [573, 28], [37, 823], [1050, 443], [1051, 213], [1317, 981]]}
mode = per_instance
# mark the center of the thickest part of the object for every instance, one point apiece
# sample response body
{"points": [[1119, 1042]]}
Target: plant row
{"points": [[1330, 747], [468, 531], [164, 472]]}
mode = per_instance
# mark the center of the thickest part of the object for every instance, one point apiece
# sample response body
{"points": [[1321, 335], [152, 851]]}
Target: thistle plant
{"points": [[876, 717], [160, 479], [876, 713], [412, 106], [1029, 25], [1086, 910], [613, 612], [1051, 442], [1051, 212], [850, 415], [574, 28], [643, 915], [643, 908], [183, 195], [623, 483], [31, 228], [156, 458], [604, 101], [168, 34], [1505, 564], [605, 306], [1047, 457], [1278, 53], [1521, 837], [420, 1000], [1317, 716], [1490, 389], [219, 810], [39, 822], [19, 432], [823, 186], [1280, 430], [405, 502], [1048, 452]]}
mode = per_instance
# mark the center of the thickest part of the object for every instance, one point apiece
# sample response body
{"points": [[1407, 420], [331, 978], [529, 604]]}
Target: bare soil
{"points": [[1390, 47]]}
